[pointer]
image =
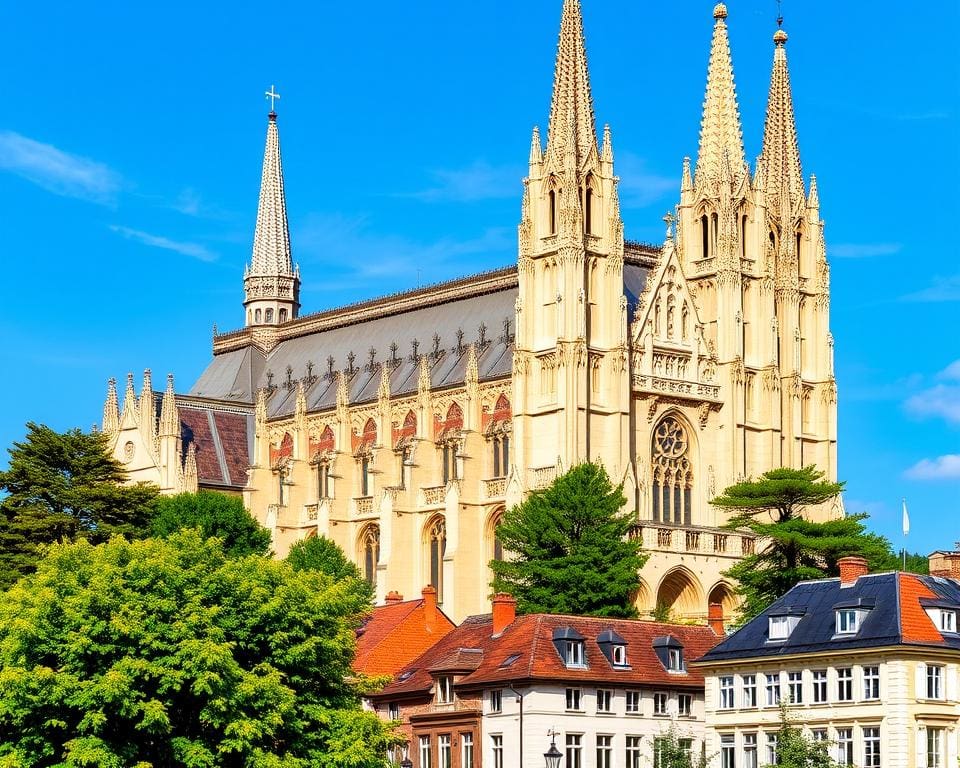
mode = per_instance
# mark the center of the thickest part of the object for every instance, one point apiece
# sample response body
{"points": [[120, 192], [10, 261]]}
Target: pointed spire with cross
{"points": [[273, 96]]}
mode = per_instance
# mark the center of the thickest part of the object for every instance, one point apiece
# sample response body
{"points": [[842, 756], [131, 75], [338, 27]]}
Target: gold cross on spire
{"points": [[273, 96]]}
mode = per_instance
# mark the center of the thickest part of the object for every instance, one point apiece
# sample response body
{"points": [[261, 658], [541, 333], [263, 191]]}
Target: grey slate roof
{"points": [[891, 621]]}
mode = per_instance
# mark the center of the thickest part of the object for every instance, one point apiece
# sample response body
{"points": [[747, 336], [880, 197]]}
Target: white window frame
{"points": [[948, 621], [444, 751], [934, 682], [848, 621], [604, 698], [749, 691], [675, 659], [658, 697], [634, 702], [845, 685], [684, 705], [872, 747], [727, 699], [496, 749], [426, 754], [871, 683], [774, 694], [935, 744], [467, 754], [619, 655], [821, 686], [574, 750], [444, 689], [573, 653], [495, 700], [844, 742], [604, 750], [634, 751], [728, 750], [795, 687], [574, 699], [779, 628], [750, 751]]}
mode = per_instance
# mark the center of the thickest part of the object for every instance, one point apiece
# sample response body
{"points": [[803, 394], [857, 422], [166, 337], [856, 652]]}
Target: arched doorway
{"points": [[681, 596], [723, 594]]}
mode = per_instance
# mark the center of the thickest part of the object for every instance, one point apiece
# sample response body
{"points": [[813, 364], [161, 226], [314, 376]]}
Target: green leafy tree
{"points": [[215, 514], [62, 487], [168, 652], [318, 553], [793, 548], [797, 750], [671, 749], [570, 548]]}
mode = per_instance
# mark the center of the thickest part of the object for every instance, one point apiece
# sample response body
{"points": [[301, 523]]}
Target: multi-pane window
{"points": [[672, 481], [573, 699], [948, 621], [871, 747], [845, 684], [675, 659], [934, 681], [323, 480], [619, 655], [574, 751], [728, 751], [819, 735], [436, 551], [634, 752], [819, 686], [726, 692], [779, 627], [604, 751], [573, 653], [845, 746], [935, 747], [771, 749], [496, 747], [466, 750], [443, 751], [749, 750], [496, 700], [749, 690], [684, 705], [795, 687], [444, 690], [659, 703], [871, 682], [660, 746], [847, 622], [449, 462], [366, 487], [633, 702], [426, 756], [773, 689], [393, 711], [604, 700], [501, 455]]}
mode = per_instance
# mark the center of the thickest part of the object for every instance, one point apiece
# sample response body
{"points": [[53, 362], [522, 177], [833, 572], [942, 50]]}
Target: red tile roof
{"points": [[915, 624], [195, 428], [395, 634], [530, 639], [232, 428]]}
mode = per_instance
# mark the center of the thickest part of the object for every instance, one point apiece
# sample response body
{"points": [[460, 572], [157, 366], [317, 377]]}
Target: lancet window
{"points": [[370, 552], [436, 546], [672, 484]]}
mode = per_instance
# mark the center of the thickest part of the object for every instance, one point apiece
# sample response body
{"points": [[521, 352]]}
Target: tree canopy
{"points": [[215, 514], [570, 549], [318, 553], [797, 750], [62, 487], [794, 548], [168, 652]]}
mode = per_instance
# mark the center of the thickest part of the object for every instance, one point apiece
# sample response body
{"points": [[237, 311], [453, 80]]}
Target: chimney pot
{"points": [[429, 607], [504, 612], [394, 597], [852, 568], [945, 564], [715, 619]]}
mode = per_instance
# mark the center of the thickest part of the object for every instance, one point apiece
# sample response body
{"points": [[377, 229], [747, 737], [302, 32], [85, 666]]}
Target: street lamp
{"points": [[553, 756]]}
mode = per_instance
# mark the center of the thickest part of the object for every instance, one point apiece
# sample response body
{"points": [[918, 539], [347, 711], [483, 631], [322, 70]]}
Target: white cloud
{"points": [[941, 468], [864, 250], [478, 181], [951, 372], [942, 400], [942, 289], [57, 171], [194, 250]]}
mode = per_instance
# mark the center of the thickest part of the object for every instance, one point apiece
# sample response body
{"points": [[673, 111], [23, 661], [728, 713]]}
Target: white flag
{"points": [[906, 519]]}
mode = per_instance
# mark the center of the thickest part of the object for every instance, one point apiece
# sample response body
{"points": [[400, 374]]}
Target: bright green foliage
{"points": [[794, 548], [916, 562], [63, 487], [215, 514], [671, 749], [318, 553], [169, 653], [795, 749], [570, 549]]}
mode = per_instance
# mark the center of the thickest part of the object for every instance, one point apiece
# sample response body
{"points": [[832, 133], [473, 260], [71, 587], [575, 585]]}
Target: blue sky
{"points": [[131, 137]]}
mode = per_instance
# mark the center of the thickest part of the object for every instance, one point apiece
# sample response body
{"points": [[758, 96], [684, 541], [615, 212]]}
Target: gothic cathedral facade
{"points": [[403, 427]]}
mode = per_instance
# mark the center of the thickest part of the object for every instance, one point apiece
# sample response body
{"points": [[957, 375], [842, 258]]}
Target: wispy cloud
{"points": [[951, 372], [933, 114], [941, 468], [942, 289], [864, 250], [57, 171], [478, 181], [194, 250], [941, 400], [641, 187], [353, 254]]}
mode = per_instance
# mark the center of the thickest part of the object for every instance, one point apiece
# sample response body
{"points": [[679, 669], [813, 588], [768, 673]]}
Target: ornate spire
{"points": [[536, 147], [721, 137], [606, 153], [129, 400], [271, 282], [813, 199], [781, 154], [572, 127], [111, 408], [169, 416], [148, 413]]}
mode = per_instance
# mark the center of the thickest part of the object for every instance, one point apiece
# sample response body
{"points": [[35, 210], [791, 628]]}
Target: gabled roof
{"points": [[530, 640], [223, 440], [396, 633], [894, 615]]}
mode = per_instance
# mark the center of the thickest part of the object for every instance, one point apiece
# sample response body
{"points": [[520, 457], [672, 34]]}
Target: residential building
{"points": [[866, 662], [405, 425], [491, 691]]}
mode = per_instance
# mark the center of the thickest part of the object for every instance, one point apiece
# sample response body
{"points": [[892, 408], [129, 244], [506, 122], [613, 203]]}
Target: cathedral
{"points": [[402, 427]]}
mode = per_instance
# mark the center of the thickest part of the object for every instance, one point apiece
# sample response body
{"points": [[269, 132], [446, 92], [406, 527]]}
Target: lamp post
{"points": [[552, 756]]}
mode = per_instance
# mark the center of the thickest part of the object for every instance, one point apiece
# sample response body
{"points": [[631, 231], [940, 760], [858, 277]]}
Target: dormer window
{"points": [[619, 654], [779, 627], [444, 690], [948, 621], [942, 613], [573, 653], [848, 621], [850, 615], [675, 659], [614, 648], [570, 646], [670, 652]]}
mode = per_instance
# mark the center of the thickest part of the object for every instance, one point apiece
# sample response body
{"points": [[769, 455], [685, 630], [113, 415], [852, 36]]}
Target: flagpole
{"points": [[906, 530]]}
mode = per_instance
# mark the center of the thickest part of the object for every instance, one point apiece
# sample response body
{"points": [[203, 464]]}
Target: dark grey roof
{"points": [[883, 624]]}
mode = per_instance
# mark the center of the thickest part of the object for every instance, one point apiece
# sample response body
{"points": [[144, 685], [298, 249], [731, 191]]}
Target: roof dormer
{"points": [[614, 648], [849, 616], [782, 622], [942, 613], [570, 645], [670, 652]]}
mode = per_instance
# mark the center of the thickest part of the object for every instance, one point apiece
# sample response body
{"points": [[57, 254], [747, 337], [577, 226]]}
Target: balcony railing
{"points": [[543, 476], [364, 505], [495, 487], [435, 495], [708, 541]]}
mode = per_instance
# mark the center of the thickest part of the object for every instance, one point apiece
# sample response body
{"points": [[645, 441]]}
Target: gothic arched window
{"points": [[436, 546], [370, 552], [496, 546], [672, 473], [268, 316]]}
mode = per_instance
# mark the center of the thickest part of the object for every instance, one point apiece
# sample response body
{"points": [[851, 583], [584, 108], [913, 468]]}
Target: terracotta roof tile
{"points": [[195, 428], [915, 624], [394, 635]]}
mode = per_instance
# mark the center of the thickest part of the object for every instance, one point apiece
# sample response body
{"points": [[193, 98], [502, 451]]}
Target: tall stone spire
{"points": [[271, 282], [111, 408], [781, 154], [721, 136], [169, 415], [572, 127]]}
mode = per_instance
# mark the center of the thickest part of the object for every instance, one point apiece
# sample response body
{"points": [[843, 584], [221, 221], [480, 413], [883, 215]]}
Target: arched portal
{"points": [[723, 594], [680, 593]]}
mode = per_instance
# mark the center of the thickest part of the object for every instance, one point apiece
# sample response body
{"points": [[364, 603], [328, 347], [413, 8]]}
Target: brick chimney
{"points": [[852, 568], [393, 598], [504, 612], [715, 619], [945, 564], [430, 607]]}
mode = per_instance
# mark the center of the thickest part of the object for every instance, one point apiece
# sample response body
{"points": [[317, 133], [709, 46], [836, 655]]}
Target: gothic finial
{"points": [[129, 398], [686, 180], [372, 352], [111, 408], [215, 330], [459, 341], [330, 364], [350, 359], [668, 220], [289, 382], [169, 417], [414, 354], [813, 199], [482, 335], [536, 147], [309, 370], [270, 381], [394, 360], [606, 154], [506, 338], [436, 346]]}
